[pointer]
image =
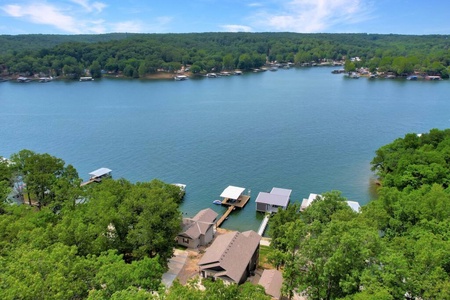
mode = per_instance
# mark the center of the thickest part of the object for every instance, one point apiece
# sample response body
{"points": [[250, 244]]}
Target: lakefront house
{"points": [[232, 257], [199, 230]]}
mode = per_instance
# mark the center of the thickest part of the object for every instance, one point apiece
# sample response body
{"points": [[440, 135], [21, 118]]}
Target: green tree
{"points": [[95, 69]]}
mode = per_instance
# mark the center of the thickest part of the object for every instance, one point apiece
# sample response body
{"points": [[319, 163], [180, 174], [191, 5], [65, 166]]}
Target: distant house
{"points": [[272, 281], [270, 202], [307, 202], [199, 230], [232, 257]]}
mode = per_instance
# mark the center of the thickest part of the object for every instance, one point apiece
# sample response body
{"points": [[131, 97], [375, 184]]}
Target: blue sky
{"points": [[175, 16]]}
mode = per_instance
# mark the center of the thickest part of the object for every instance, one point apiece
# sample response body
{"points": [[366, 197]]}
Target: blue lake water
{"points": [[304, 129]]}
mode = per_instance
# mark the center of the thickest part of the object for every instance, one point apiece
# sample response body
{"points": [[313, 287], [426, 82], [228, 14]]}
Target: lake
{"points": [[303, 128]]}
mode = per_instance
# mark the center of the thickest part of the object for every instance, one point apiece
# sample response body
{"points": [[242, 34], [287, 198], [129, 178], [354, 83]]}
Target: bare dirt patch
{"points": [[190, 269]]}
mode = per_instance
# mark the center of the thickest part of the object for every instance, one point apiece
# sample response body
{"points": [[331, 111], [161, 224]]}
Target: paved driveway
{"points": [[176, 263]]}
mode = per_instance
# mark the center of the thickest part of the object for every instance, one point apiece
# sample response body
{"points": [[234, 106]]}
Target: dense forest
{"points": [[138, 55], [397, 247]]}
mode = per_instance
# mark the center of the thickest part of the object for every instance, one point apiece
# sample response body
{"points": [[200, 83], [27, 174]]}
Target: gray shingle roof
{"points": [[272, 280], [233, 251], [199, 224]]}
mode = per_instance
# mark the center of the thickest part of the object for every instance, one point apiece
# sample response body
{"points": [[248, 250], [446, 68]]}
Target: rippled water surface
{"points": [[303, 129]]}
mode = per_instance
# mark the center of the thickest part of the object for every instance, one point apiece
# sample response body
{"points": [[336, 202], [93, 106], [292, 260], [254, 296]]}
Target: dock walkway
{"points": [[225, 216], [263, 225]]}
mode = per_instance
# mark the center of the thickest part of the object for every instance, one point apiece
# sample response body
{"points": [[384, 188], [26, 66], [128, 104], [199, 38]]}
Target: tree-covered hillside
{"points": [[397, 247], [137, 55]]}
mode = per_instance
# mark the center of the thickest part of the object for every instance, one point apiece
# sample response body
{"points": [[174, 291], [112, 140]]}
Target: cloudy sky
{"points": [[175, 16]]}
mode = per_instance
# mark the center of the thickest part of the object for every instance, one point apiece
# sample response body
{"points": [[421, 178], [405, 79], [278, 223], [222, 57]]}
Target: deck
{"points": [[225, 216], [90, 181], [232, 204], [240, 202]]}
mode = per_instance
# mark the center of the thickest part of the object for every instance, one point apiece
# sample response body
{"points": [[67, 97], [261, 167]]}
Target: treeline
{"points": [[397, 247], [137, 55]]}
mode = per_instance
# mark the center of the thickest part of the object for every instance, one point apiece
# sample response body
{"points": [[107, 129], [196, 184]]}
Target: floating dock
{"points": [[240, 202]]}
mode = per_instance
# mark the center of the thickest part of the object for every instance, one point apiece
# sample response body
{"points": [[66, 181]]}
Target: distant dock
{"points": [[97, 176]]}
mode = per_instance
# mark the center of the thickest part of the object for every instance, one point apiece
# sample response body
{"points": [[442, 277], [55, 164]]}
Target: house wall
{"points": [[261, 207], [187, 242], [208, 237]]}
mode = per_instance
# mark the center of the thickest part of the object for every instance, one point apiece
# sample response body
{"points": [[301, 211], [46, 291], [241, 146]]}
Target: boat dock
{"points": [[97, 176], [232, 197], [240, 202], [263, 225], [225, 216]]}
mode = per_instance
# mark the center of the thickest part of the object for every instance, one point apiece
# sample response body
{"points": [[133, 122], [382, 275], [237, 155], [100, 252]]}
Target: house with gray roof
{"points": [[270, 202], [199, 230], [232, 257], [272, 281]]}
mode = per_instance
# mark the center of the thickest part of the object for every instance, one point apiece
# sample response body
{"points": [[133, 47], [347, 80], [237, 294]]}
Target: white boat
{"points": [[237, 72], [218, 202], [45, 79], [23, 79], [86, 78], [180, 77], [211, 75]]}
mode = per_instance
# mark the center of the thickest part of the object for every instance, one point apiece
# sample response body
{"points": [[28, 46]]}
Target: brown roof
{"points": [[206, 215], [272, 280], [233, 251], [199, 224]]}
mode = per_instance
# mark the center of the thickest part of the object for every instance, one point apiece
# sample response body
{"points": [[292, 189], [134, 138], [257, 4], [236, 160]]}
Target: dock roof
{"points": [[272, 199], [280, 191], [232, 192], [100, 172]]}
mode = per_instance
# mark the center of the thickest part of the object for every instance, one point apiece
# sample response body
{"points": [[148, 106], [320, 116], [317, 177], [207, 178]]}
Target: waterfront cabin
{"points": [[99, 174], [270, 202], [307, 202], [199, 230], [232, 257]]}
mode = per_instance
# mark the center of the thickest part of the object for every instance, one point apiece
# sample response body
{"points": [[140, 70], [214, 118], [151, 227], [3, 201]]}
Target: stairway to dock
{"points": [[263, 225]]}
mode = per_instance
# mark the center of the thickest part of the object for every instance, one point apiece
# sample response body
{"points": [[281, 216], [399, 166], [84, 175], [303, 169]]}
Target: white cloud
{"points": [[255, 4], [236, 28], [313, 15], [94, 6], [43, 14]]}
